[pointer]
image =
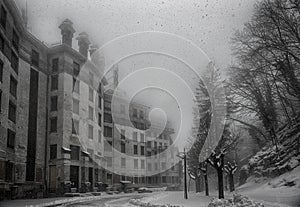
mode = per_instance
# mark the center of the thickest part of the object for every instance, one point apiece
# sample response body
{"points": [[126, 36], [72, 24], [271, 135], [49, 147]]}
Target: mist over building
{"points": [[56, 126]]}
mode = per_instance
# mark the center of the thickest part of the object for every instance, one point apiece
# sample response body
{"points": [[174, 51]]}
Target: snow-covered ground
{"points": [[62, 200], [176, 199], [275, 192], [284, 189]]}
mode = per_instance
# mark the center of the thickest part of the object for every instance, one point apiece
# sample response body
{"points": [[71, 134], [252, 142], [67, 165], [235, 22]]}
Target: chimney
{"points": [[67, 32], [93, 49], [83, 43]]}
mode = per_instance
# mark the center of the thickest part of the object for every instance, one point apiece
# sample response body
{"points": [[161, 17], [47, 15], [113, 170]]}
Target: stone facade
{"points": [[23, 129], [53, 117]]}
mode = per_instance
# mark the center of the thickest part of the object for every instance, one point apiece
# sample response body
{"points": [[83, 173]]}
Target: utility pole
{"points": [[185, 179], [185, 172]]}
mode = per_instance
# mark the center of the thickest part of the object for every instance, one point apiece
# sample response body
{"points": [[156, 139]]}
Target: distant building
{"points": [[138, 153]]}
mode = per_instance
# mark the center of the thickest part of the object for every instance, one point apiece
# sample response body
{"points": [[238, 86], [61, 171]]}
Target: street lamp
{"points": [[185, 178]]}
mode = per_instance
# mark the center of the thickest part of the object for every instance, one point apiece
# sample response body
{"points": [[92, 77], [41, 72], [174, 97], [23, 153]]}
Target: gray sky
{"points": [[208, 23]]}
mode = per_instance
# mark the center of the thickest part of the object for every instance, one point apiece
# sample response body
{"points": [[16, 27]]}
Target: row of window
{"points": [[75, 130], [108, 133], [108, 148], [14, 60], [76, 71], [135, 114], [53, 120], [136, 164], [135, 150], [90, 111], [135, 137], [155, 144], [35, 56], [75, 150], [12, 108]]}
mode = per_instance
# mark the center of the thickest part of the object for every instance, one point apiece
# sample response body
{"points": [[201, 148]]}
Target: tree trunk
{"points": [[231, 182], [226, 182], [206, 184], [198, 184], [201, 183], [220, 182]]}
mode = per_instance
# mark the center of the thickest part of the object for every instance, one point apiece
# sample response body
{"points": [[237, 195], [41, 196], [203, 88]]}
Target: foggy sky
{"points": [[208, 23]]}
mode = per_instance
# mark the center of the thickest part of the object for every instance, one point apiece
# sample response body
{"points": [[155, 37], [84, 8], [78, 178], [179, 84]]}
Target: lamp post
{"points": [[185, 177]]}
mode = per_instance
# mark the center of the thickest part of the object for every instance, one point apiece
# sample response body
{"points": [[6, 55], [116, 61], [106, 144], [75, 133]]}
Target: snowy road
{"points": [[74, 201], [113, 201]]}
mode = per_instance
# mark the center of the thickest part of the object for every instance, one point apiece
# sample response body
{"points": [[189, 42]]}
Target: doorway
{"points": [[74, 176]]}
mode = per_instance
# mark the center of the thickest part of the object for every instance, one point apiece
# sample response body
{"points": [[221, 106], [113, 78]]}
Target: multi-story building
{"points": [[134, 153], [75, 114], [54, 114], [23, 101], [51, 110]]}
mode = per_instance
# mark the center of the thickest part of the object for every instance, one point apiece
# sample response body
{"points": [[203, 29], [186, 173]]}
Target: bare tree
{"points": [[265, 76], [230, 168]]}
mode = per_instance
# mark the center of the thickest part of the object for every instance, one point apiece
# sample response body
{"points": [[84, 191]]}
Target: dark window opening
{"points": [[75, 126], [107, 131], [99, 119], [74, 152], [14, 62], [54, 82], [13, 86], [11, 136], [1, 71], [53, 151], [123, 146], [12, 112], [135, 149], [53, 124], [2, 44], [135, 113], [9, 167], [54, 103], [99, 89], [142, 150], [55, 65], [107, 118]]}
